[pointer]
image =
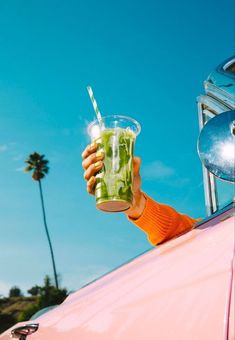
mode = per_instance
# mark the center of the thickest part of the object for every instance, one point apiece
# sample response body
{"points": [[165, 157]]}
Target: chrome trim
{"points": [[219, 216], [222, 68], [227, 64], [214, 104], [210, 191], [219, 94], [220, 84], [22, 332]]}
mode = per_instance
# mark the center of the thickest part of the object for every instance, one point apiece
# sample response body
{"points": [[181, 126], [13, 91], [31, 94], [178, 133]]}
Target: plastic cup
{"points": [[114, 182]]}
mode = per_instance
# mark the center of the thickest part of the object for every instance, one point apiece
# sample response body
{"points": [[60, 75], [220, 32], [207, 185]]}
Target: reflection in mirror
{"points": [[225, 192], [216, 146]]}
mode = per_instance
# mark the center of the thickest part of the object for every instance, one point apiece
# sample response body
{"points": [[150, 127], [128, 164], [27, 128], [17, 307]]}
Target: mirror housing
{"points": [[216, 146]]}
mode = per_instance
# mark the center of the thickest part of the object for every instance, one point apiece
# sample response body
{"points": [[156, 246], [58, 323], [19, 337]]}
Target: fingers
{"points": [[92, 163], [91, 185], [91, 148], [92, 170], [92, 158]]}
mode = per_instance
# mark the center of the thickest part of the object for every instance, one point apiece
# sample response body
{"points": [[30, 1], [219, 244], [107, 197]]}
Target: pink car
{"points": [[182, 289]]}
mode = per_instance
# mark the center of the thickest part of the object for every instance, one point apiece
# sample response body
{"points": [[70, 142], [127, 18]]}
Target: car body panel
{"points": [[179, 288], [231, 326]]}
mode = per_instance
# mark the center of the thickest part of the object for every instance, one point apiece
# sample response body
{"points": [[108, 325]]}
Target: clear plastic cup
{"points": [[114, 182]]}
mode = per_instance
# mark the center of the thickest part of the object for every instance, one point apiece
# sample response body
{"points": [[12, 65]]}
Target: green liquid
{"points": [[114, 182]]}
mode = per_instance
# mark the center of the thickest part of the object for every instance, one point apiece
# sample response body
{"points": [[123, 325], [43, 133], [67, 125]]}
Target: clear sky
{"points": [[146, 59]]}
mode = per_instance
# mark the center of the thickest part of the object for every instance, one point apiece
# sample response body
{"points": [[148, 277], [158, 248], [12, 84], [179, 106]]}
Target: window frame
{"points": [[209, 106]]}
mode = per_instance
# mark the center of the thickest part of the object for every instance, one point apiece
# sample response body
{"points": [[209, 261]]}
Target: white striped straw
{"points": [[95, 106]]}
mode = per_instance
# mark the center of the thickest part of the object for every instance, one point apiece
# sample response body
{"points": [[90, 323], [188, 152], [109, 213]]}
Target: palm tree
{"points": [[39, 165]]}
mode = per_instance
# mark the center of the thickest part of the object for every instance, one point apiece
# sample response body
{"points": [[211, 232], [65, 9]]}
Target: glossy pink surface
{"points": [[179, 290], [231, 330]]}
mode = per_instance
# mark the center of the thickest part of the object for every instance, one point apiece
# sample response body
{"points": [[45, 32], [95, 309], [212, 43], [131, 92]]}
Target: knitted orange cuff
{"points": [[161, 222]]}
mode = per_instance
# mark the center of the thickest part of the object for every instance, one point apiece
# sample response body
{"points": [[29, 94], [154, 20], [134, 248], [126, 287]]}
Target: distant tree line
{"points": [[45, 296]]}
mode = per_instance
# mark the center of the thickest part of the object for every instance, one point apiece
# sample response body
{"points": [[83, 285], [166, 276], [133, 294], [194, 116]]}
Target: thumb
{"points": [[136, 165]]}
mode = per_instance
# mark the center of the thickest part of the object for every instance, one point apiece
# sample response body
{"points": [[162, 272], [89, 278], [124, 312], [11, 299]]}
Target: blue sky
{"points": [[145, 59]]}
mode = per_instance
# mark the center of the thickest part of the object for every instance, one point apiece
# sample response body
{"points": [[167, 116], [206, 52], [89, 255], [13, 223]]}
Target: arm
{"points": [[160, 222]]}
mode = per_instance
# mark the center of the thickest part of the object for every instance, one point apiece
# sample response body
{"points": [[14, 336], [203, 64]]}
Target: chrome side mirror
{"points": [[23, 331], [216, 146]]}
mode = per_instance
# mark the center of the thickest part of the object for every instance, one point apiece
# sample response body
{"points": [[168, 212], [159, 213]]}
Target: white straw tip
{"points": [[89, 89]]}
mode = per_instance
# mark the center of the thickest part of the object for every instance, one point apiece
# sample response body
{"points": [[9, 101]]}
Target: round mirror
{"points": [[216, 146]]}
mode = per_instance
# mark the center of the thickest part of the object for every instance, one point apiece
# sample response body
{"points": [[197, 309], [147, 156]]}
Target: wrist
{"points": [[138, 206]]}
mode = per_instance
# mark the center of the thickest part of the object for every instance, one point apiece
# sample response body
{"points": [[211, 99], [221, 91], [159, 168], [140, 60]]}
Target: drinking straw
{"points": [[95, 106]]}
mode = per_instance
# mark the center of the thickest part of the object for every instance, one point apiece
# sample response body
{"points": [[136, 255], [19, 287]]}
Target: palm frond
{"points": [[38, 164], [28, 168]]}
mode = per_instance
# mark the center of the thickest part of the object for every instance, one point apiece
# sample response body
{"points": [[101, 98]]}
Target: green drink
{"points": [[114, 182]]}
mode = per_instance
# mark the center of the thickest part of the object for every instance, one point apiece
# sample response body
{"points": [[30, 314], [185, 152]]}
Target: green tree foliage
{"points": [[34, 291], [15, 292], [17, 307], [6, 321], [49, 295], [28, 312], [38, 164]]}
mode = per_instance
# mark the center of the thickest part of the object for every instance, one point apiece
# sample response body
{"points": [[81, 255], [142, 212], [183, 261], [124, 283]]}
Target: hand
{"points": [[139, 200], [92, 163]]}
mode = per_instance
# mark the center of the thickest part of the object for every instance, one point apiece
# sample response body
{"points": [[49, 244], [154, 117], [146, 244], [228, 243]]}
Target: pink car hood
{"points": [[179, 290]]}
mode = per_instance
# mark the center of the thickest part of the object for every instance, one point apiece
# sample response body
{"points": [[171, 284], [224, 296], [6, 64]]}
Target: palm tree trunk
{"points": [[48, 236]]}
